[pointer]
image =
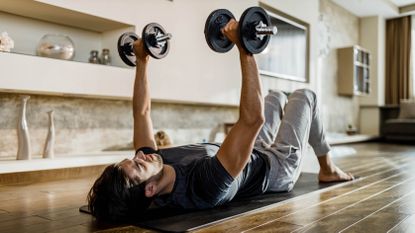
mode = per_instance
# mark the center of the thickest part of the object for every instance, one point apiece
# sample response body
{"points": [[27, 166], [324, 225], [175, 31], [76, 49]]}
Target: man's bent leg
{"points": [[273, 110], [300, 122]]}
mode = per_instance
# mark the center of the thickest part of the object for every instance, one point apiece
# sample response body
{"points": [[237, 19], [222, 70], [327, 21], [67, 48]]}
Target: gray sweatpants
{"points": [[290, 123]]}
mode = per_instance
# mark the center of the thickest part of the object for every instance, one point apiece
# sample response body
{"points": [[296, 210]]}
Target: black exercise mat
{"points": [[178, 220]]}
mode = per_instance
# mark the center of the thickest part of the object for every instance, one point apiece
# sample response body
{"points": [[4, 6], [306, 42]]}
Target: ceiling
{"points": [[403, 2], [363, 8]]}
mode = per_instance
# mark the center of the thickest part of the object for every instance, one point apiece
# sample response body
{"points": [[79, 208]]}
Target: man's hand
{"points": [[139, 51], [231, 31]]}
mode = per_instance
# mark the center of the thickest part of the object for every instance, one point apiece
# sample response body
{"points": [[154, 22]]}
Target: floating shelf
{"points": [[39, 75], [81, 160], [49, 13]]}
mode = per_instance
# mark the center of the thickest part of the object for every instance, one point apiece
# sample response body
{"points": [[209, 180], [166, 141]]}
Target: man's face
{"points": [[141, 167]]}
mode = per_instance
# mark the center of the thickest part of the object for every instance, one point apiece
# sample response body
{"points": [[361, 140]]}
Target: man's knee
{"points": [[306, 94], [276, 96]]}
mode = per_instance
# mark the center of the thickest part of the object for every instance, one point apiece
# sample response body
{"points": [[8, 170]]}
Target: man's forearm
{"points": [[143, 127], [251, 103], [141, 96]]}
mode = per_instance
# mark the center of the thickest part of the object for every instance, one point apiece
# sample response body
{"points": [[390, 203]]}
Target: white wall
{"points": [[342, 31], [372, 37], [191, 71]]}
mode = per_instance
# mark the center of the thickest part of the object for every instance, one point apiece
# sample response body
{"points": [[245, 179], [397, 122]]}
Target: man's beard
{"points": [[159, 161]]}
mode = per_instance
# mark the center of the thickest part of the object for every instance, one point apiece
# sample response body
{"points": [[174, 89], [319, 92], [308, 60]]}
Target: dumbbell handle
{"points": [[267, 30], [163, 38]]}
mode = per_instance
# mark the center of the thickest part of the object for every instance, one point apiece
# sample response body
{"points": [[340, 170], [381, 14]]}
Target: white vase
{"points": [[48, 150], [23, 150]]}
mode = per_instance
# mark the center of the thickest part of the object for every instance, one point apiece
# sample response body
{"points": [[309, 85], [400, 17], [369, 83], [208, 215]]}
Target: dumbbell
{"points": [[254, 27], [155, 39]]}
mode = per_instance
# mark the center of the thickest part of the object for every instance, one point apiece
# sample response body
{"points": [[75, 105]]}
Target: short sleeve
{"points": [[210, 182], [148, 150]]}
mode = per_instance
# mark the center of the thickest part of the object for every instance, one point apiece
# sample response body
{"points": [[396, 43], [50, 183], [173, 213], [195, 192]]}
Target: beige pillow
{"points": [[407, 109]]}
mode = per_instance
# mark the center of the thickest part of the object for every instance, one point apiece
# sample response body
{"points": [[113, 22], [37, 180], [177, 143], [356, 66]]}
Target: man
{"points": [[262, 152]]}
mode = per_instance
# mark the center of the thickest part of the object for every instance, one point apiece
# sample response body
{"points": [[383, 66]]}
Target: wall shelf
{"points": [[49, 13], [37, 75], [27, 21], [353, 71], [69, 161], [24, 72]]}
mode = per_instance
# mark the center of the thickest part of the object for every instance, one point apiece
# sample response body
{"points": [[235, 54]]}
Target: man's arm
{"points": [[237, 147], [143, 126]]}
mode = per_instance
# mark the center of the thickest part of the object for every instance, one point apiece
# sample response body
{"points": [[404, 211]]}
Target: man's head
{"points": [[127, 188]]}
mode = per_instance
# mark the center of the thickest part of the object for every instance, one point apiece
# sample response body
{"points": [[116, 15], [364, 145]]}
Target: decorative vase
{"points": [[56, 46], [23, 150], [48, 150], [6, 42]]}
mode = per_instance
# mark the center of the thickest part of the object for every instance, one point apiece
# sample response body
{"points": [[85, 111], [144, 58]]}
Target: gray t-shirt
{"points": [[202, 182]]}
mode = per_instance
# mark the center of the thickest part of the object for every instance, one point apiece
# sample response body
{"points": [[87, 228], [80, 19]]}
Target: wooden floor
{"points": [[382, 201]]}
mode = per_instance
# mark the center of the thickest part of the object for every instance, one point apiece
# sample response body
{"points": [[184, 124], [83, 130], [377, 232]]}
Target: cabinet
{"points": [[27, 21], [353, 71]]}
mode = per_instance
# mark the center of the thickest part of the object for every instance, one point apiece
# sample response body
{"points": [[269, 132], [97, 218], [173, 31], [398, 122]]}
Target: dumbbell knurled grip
{"points": [[163, 38], [270, 30]]}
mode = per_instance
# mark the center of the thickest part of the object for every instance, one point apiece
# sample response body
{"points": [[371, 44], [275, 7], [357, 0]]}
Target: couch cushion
{"points": [[407, 109], [399, 126]]}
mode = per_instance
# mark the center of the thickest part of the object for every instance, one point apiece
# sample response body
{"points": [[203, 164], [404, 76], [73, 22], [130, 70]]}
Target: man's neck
{"points": [[166, 183]]}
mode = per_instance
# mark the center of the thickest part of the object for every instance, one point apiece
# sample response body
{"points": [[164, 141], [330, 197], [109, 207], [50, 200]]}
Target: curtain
{"points": [[398, 54]]}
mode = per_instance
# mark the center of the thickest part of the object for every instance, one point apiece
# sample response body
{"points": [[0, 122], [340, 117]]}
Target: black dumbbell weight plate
{"points": [[150, 33], [214, 37], [249, 19], [125, 48]]}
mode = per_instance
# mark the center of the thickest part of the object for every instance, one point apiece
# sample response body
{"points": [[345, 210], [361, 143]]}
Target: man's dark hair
{"points": [[112, 199]]}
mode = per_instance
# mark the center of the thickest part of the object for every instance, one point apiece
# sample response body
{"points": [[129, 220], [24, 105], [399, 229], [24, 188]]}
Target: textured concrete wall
{"points": [[91, 125], [343, 31]]}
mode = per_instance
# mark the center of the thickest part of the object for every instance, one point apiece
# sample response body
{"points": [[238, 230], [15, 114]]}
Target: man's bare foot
{"points": [[329, 172], [334, 175]]}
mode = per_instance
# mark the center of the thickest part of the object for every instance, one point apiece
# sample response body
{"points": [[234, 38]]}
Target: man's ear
{"points": [[150, 189]]}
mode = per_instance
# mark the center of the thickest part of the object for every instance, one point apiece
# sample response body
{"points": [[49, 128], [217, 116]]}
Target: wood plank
{"points": [[392, 164], [127, 229], [406, 206], [95, 226], [406, 226], [73, 229], [315, 215], [365, 162], [384, 219], [60, 213], [278, 227], [50, 226], [25, 222], [344, 217], [273, 213]]}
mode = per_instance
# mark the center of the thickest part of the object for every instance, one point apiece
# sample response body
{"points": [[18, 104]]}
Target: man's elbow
{"points": [[141, 112], [254, 121]]}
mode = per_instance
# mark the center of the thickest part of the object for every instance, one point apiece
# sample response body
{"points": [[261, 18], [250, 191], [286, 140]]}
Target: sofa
{"points": [[397, 122]]}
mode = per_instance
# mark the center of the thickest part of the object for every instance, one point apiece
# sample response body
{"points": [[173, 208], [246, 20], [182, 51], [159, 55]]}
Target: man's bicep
{"points": [[143, 133], [236, 149]]}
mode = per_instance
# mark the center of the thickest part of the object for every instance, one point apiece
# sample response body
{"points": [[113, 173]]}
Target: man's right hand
{"points": [[231, 31], [139, 51]]}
